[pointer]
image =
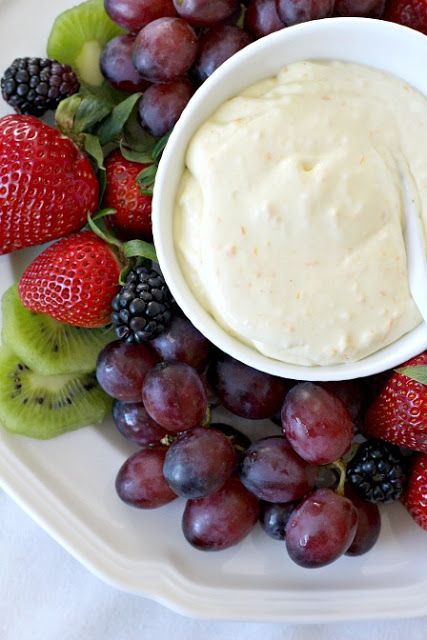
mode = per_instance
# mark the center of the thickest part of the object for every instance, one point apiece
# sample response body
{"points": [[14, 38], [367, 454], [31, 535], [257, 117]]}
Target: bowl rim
{"points": [[328, 34]]}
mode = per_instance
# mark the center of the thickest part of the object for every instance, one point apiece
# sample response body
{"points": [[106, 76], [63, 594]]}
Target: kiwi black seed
{"points": [[77, 38], [46, 345], [45, 406]]}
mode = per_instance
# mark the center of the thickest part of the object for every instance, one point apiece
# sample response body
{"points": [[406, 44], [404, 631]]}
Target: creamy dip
{"points": [[290, 216]]}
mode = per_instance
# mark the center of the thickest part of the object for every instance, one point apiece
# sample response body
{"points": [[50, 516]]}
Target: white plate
{"points": [[67, 486]]}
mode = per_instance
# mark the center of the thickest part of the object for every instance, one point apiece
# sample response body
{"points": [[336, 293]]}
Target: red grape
{"points": [[117, 67], [273, 471], [352, 393], [136, 425], [182, 341], [162, 104], [199, 462], [274, 517], [210, 393], [201, 13], [174, 396], [316, 423], [295, 11], [121, 369], [245, 391], [217, 45], [261, 18], [368, 525], [222, 519], [133, 15], [165, 49], [140, 480], [320, 529], [363, 8]]}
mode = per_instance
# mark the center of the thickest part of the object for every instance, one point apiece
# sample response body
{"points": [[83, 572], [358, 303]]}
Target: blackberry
{"points": [[32, 86], [377, 472], [143, 307]]}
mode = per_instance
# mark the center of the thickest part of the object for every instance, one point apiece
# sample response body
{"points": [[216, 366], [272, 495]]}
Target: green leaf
{"points": [[92, 109], [97, 224], [160, 145], [101, 213], [143, 157], [102, 179], [93, 148], [145, 179], [139, 249], [135, 137], [66, 112], [110, 128], [416, 372]]}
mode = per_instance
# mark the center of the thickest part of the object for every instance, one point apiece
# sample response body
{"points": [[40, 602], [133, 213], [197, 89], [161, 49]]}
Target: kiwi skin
{"points": [[46, 406], [46, 345], [77, 38]]}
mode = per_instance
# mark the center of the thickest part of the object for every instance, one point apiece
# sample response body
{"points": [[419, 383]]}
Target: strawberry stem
{"points": [[139, 249], [133, 252], [97, 225]]}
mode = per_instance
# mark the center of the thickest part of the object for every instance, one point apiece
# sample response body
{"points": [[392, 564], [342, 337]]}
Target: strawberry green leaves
{"points": [[94, 122], [146, 179], [133, 252], [109, 129], [416, 372]]}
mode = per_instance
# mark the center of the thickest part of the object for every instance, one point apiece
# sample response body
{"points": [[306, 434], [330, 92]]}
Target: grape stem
{"points": [[168, 439], [341, 467], [207, 418]]}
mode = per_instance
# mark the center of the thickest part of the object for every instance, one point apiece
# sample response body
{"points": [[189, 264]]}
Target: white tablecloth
{"points": [[45, 594]]}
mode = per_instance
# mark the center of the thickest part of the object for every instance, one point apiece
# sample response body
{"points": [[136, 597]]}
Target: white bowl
{"points": [[387, 46]]}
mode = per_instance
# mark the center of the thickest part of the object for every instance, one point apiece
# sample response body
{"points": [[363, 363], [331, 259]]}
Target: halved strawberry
{"points": [[74, 280], [415, 496], [399, 412], [47, 186]]}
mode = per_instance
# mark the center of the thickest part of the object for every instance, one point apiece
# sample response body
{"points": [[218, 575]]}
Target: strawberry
{"points": [[415, 495], [123, 193], [47, 186], [74, 280], [399, 412], [411, 13]]}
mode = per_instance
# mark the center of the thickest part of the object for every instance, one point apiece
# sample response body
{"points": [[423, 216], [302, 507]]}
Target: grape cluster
{"points": [[172, 46], [289, 478]]}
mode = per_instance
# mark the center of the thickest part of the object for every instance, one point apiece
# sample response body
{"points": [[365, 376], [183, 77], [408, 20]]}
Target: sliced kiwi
{"points": [[46, 345], [78, 37], [46, 406]]}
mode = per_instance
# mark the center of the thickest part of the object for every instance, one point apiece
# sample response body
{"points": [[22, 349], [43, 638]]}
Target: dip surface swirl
{"points": [[290, 216]]}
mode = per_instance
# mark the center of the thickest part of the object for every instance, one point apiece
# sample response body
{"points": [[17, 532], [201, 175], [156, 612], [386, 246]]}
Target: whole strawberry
{"points": [[399, 412], [123, 193], [73, 280], [410, 13], [47, 186], [415, 496]]}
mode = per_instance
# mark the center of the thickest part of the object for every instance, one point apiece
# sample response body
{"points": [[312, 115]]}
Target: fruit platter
{"points": [[167, 467]]}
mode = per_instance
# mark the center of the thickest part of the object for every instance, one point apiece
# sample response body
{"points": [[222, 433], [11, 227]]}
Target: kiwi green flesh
{"points": [[46, 406], [46, 345], [77, 38]]}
